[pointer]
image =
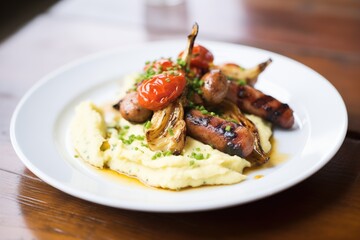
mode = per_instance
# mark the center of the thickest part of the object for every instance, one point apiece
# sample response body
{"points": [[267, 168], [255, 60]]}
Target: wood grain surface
{"points": [[322, 34]]}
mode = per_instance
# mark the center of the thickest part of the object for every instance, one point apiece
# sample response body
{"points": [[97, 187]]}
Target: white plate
{"points": [[40, 123]]}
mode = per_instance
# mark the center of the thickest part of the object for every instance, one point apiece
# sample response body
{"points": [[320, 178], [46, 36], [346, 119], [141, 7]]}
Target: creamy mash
{"points": [[122, 147]]}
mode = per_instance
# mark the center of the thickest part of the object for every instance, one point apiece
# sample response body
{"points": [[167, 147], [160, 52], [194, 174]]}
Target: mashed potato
{"points": [[121, 146]]}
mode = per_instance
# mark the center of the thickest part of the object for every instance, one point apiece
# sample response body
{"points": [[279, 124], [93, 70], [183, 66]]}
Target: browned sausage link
{"points": [[223, 135], [255, 102], [215, 87], [130, 109], [231, 111]]}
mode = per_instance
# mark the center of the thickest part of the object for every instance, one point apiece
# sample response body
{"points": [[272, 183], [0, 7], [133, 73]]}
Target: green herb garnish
{"points": [[197, 156], [156, 155], [147, 124], [131, 139], [171, 132], [161, 154], [167, 153], [181, 62]]}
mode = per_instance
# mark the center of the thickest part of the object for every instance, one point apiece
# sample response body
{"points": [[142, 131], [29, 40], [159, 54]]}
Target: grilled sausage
{"points": [[230, 110], [131, 110], [255, 102], [215, 87], [228, 137]]}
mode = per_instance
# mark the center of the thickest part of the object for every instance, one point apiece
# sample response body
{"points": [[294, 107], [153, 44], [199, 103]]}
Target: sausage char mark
{"points": [[226, 136], [255, 102]]}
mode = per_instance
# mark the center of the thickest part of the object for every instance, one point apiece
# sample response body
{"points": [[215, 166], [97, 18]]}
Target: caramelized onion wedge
{"points": [[249, 76], [168, 129], [232, 112], [186, 57]]}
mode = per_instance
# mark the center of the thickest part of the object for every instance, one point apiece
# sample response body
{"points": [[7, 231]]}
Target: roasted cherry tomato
{"points": [[158, 91], [163, 64], [201, 57]]}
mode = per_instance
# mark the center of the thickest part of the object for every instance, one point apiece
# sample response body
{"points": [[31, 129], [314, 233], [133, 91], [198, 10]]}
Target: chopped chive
{"points": [[167, 153], [181, 62], [204, 111], [144, 145], [156, 155], [171, 132], [232, 120], [197, 156], [147, 124], [241, 82], [191, 104], [131, 139], [228, 128]]}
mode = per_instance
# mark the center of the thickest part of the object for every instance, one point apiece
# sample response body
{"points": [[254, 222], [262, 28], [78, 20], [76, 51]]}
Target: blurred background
{"points": [[38, 36]]}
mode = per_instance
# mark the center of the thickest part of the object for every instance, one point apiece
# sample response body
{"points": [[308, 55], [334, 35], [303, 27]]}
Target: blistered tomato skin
{"points": [[201, 57], [157, 92], [160, 65]]}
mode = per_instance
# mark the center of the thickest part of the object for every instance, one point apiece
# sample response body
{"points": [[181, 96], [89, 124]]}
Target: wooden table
{"points": [[325, 35]]}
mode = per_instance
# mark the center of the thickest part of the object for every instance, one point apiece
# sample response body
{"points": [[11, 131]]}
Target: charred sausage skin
{"points": [[255, 102], [228, 137]]}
